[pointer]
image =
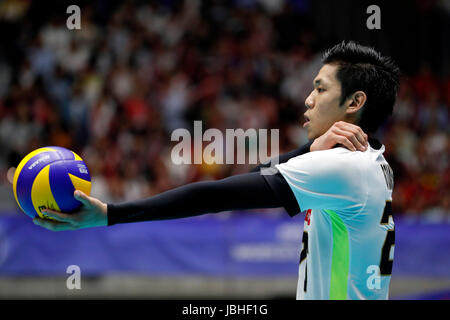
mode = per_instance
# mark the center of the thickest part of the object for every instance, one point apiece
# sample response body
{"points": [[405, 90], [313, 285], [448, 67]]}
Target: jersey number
{"points": [[389, 242], [303, 256], [386, 262]]}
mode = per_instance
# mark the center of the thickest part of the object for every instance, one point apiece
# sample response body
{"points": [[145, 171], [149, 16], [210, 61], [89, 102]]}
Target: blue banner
{"points": [[236, 244]]}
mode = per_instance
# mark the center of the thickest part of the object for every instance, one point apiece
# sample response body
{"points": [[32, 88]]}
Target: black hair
{"points": [[362, 68]]}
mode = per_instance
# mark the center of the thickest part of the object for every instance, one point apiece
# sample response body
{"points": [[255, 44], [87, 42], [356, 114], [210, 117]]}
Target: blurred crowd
{"points": [[114, 92]]}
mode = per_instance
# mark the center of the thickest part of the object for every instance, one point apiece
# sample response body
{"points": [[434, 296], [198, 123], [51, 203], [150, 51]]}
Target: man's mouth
{"points": [[306, 123]]}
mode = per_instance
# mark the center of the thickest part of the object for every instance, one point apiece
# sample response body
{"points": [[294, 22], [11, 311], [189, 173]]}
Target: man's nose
{"points": [[309, 102]]}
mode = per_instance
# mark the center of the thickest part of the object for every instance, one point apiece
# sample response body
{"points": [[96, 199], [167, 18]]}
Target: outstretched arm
{"points": [[239, 192]]}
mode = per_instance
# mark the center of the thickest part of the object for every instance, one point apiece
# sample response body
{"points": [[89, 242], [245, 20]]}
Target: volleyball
{"points": [[46, 179]]}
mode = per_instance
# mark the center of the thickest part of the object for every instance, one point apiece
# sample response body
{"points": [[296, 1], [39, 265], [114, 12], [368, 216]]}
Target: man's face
{"points": [[323, 108]]}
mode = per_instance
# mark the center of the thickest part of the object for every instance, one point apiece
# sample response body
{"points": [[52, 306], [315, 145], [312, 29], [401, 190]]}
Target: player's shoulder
{"points": [[340, 158], [334, 161], [336, 155], [337, 163]]}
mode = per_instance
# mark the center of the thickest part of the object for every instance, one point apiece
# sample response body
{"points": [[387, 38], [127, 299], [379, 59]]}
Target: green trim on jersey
{"points": [[340, 258]]}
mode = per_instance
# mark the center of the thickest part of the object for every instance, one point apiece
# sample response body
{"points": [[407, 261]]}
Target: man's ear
{"points": [[355, 102]]}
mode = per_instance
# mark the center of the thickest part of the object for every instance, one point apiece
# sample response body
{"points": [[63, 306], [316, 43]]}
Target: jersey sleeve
{"points": [[330, 179], [240, 192]]}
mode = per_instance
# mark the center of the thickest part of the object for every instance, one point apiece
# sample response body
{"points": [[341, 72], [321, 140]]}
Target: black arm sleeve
{"points": [[286, 156], [240, 192]]}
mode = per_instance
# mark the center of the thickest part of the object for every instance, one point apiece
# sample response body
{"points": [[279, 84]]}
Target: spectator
{"points": [[120, 88]]}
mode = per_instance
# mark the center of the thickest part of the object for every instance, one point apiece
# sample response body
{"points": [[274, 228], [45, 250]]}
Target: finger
{"points": [[356, 130], [52, 225], [357, 143], [351, 132], [362, 137], [351, 137], [82, 197], [346, 143], [58, 216]]}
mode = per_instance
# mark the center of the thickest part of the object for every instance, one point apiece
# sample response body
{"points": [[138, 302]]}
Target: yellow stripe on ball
{"points": [[77, 157], [41, 193], [81, 184], [20, 167]]}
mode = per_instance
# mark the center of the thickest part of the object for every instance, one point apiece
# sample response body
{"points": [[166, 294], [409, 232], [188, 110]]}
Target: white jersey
{"points": [[348, 238]]}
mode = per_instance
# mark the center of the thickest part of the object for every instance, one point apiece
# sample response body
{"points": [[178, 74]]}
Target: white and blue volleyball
{"points": [[47, 178]]}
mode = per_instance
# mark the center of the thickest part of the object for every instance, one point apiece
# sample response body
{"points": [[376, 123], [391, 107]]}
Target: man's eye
{"points": [[320, 90]]}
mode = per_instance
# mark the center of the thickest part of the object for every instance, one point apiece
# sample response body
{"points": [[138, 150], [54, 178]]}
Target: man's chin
{"points": [[311, 135]]}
